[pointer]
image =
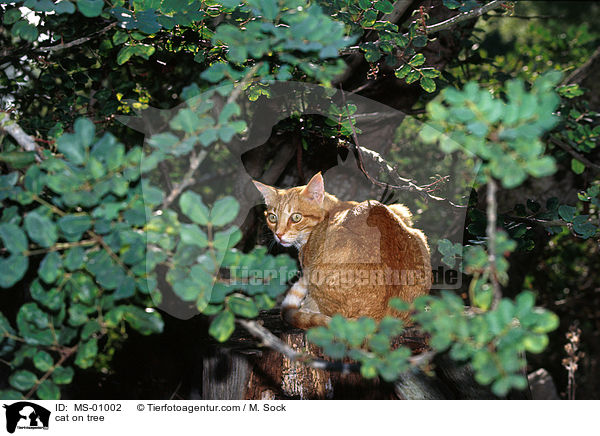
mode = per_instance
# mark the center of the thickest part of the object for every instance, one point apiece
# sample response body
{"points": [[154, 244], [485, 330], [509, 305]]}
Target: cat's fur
{"points": [[354, 256]]}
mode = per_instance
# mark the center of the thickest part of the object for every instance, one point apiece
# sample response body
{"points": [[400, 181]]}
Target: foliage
{"points": [[503, 133], [88, 232]]}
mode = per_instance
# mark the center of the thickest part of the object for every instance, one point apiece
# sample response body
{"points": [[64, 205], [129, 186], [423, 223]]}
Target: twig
{"points": [[409, 185], [400, 6], [473, 13], [491, 234], [532, 220], [197, 158], [188, 178], [570, 363], [271, 341], [582, 72], [76, 42], [65, 355], [96, 237], [438, 27], [588, 163], [60, 246], [11, 127]]}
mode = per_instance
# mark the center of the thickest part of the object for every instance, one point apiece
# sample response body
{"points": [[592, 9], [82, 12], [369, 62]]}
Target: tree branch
{"points": [[400, 6], [271, 341], [188, 179], [438, 27], [579, 74], [491, 234], [75, 42], [11, 127], [409, 185], [474, 13], [197, 158], [588, 163]]}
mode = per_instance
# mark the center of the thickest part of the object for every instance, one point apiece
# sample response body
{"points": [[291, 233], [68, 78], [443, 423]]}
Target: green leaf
{"points": [[11, 16], [90, 8], [186, 120], [577, 166], [320, 336], [74, 258], [48, 391], [427, 84], [583, 227], [535, 343], [90, 328], [242, 306], [413, 76], [335, 350], [71, 146], [125, 54], [402, 71], [417, 60], [398, 304], [10, 394], [222, 326], [192, 206], [86, 353], [33, 325], [419, 41], [13, 237], [269, 9], [43, 361], [191, 234], [22, 380], [120, 37], [84, 131], [384, 6], [368, 370], [566, 212], [63, 375], [25, 30], [50, 267], [372, 53], [144, 322], [73, 226], [34, 180], [224, 211], [187, 289], [17, 159], [41, 229], [430, 73], [546, 322], [478, 128], [542, 167]]}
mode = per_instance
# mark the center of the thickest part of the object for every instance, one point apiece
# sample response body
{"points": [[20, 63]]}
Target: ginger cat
{"points": [[354, 256]]}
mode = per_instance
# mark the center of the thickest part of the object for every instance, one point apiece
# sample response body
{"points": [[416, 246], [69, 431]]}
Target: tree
{"points": [[130, 139]]}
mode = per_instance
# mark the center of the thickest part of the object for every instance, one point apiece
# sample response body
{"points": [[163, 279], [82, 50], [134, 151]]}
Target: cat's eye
{"points": [[272, 218], [296, 217]]}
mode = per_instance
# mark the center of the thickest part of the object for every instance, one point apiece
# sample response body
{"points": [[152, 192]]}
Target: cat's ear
{"points": [[268, 192], [315, 190]]}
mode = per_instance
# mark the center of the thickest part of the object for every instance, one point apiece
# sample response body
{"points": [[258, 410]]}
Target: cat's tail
{"points": [[291, 308], [402, 212], [304, 320]]}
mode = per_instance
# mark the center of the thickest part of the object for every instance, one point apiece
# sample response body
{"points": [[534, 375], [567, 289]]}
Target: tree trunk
{"points": [[247, 371]]}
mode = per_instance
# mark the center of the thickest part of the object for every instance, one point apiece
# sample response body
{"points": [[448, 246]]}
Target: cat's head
{"points": [[293, 213]]}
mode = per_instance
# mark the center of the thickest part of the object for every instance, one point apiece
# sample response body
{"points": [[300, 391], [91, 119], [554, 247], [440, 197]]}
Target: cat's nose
{"points": [[279, 235]]}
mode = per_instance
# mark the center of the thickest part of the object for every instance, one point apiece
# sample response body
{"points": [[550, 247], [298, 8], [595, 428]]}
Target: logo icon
{"points": [[26, 415]]}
